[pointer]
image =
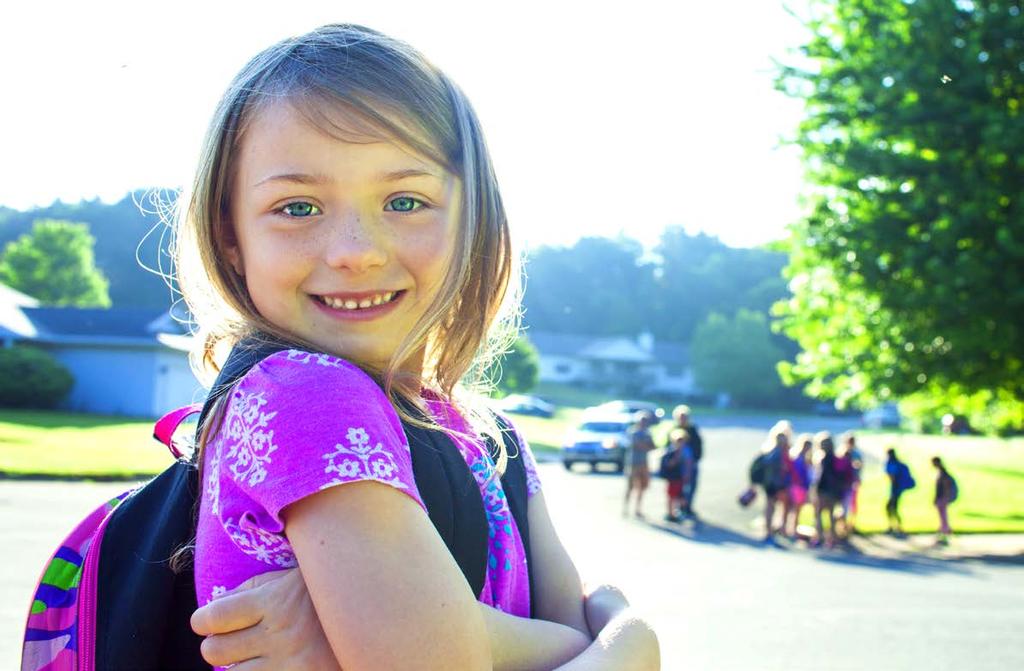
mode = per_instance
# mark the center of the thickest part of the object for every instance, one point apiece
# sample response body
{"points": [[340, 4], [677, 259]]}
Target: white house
{"points": [[125, 361], [616, 363]]}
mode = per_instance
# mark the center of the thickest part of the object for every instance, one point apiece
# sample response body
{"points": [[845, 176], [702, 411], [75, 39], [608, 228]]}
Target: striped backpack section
{"points": [[60, 634], [56, 619]]}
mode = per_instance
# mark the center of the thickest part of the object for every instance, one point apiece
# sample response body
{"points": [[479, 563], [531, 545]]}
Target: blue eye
{"points": [[403, 204], [300, 209]]}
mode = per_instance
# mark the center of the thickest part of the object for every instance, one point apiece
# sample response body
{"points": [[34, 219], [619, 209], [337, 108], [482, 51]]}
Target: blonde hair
{"points": [[783, 427], [679, 411], [386, 90], [823, 444]]}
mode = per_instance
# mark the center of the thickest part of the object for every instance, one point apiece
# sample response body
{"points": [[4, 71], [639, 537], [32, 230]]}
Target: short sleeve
{"points": [[295, 424]]}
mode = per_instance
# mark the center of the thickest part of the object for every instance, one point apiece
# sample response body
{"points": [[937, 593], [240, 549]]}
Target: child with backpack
{"points": [[344, 239], [946, 492], [772, 470], [677, 464], [800, 484], [828, 488], [900, 481]]}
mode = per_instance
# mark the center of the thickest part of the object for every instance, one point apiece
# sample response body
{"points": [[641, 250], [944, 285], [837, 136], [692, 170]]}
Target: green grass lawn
{"points": [[989, 473], [65, 444]]}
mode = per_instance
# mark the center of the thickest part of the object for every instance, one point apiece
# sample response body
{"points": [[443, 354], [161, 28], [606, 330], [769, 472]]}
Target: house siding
{"points": [[174, 384], [109, 380]]}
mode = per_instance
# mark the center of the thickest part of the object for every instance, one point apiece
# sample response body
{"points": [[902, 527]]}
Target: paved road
{"points": [[717, 598]]}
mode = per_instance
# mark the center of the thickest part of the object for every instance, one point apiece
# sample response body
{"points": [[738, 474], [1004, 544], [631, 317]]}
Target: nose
{"points": [[354, 242]]}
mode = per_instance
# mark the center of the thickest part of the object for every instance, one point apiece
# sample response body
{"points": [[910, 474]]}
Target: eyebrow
{"points": [[296, 178], [320, 179]]}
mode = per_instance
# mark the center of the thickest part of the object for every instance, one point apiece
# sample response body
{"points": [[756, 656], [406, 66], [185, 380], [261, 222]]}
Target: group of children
{"points": [[679, 464], [812, 470]]}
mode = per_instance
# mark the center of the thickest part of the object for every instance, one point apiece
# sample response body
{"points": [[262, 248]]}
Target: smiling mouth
{"points": [[363, 303]]}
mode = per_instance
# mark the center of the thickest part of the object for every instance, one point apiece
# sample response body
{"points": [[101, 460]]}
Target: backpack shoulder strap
{"points": [[452, 498], [513, 483], [246, 354]]}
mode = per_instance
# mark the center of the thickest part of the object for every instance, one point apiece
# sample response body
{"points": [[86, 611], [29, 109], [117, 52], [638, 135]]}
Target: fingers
{"points": [[238, 646], [226, 614], [258, 580]]}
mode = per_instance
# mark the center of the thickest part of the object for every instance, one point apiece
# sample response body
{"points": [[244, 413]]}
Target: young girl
{"points": [[828, 488], [945, 493], [800, 484], [345, 204]]}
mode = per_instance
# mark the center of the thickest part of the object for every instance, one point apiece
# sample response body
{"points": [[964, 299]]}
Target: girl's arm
{"points": [[389, 594], [270, 619]]}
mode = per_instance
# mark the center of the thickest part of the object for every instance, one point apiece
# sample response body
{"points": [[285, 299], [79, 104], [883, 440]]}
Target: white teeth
{"points": [[351, 304]]}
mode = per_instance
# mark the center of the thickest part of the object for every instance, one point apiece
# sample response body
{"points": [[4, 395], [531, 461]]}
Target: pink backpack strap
{"points": [[165, 427]]}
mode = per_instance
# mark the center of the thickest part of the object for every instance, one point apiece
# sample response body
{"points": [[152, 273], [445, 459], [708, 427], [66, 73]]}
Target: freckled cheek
{"points": [[428, 254], [275, 271]]}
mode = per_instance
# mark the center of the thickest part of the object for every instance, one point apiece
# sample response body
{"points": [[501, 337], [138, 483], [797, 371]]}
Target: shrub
{"points": [[31, 378]]}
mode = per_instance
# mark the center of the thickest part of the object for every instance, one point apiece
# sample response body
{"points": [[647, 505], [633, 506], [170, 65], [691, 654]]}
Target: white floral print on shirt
{"points": [[249, 437], [359, 460]]}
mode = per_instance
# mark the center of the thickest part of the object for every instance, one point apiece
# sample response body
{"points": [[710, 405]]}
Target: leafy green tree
{"points": [[908, 273], [738, 356], [519, 369], [54, 263], [131, 241]]}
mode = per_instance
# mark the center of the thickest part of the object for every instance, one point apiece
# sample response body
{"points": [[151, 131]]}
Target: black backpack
{"points": [[137, 615]]}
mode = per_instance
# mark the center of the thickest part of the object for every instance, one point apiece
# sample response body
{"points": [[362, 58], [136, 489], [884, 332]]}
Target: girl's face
{"points": [[343, 244]]}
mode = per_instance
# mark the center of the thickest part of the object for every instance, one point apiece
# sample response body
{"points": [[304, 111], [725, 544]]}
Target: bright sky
{"points": [[601, 117]]}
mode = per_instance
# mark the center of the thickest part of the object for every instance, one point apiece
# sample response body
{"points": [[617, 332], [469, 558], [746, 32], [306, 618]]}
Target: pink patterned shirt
{"points": [[300, 422]]}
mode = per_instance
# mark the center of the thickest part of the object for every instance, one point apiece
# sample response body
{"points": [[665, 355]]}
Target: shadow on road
{"points": [[920, 564], [705, 532], [866, 554]]}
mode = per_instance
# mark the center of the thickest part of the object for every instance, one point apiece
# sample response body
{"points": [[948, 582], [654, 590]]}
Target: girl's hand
{"points": [[600, 605], [626, 643], [267, 622]]}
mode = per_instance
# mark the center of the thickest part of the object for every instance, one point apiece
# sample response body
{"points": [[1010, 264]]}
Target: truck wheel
{"points": [[568, 465]]}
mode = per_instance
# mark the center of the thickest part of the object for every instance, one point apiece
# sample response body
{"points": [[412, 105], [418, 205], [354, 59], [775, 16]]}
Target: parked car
{"points": [[522, 404], [630, 408], [600, 438], [883, 417]]}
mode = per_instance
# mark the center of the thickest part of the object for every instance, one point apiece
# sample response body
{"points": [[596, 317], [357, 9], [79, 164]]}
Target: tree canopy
{"points": [[518, 369], [128, 236], [737, 355], [908, 272], [54, 264]]}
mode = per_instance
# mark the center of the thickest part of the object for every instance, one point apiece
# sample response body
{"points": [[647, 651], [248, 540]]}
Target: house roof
{"points": [[13, 323], [120, 323], [607, 348], [21, 318]]}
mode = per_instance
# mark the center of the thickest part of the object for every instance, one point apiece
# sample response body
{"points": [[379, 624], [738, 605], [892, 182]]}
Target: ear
{"points": [[234, 257]]}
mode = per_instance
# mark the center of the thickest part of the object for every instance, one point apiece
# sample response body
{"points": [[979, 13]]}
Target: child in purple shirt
{"points": [[345, 203]]}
